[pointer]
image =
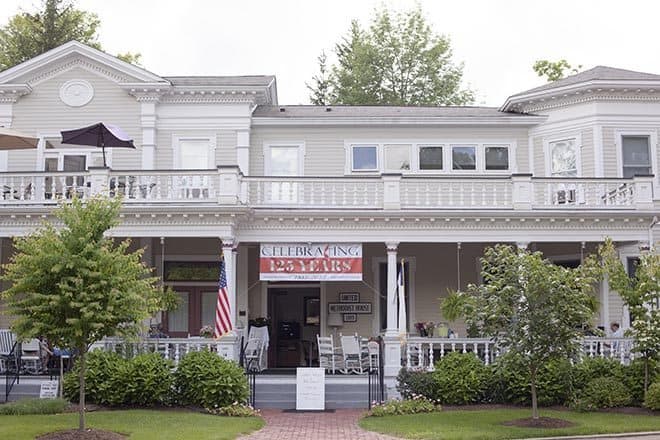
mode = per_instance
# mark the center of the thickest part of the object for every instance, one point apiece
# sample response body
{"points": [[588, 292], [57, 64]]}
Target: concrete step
{"points": [[27, 388]]}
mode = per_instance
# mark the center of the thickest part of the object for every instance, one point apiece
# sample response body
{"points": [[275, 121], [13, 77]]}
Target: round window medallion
{"points": [[76, 92]]}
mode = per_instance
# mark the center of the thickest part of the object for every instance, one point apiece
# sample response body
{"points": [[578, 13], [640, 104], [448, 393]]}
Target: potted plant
{"points": [[206, 331]]}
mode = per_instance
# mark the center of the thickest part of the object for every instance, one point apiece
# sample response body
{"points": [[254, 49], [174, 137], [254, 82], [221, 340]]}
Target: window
{"points": [[207, 309], [636, 155], [563, 158], [496, 157], [430, 157], [177, 320], [397, 157], [464, 158], [194, 154], [365, 158], [284, 160]]}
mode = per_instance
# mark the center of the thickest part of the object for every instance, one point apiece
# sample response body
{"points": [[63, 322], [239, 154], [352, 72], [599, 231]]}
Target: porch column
{"points": [[392, 355], [227, 345]]}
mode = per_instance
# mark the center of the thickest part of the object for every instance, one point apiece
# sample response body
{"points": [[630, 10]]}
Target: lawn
{"points": [[487, 425], [140, 424]]}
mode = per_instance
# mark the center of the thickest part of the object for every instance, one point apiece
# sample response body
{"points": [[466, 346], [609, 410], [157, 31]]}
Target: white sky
{"points": [[498, 40]]}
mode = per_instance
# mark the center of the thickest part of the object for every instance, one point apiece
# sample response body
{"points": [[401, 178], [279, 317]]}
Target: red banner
{"points": [[310, 262]]}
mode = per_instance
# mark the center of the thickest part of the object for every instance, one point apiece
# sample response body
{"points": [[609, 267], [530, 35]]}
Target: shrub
{"points": [[652, 400], [416, 383], [603, 392], [417, 405], [210, 381], [460, 379], [593, 368], [510, 382], [235, 410], [106, 379], [33, 406], [150, 380], [634, 378]]}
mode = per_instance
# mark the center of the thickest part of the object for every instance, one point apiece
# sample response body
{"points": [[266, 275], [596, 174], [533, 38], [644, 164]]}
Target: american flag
{"points": [[222, 311]]}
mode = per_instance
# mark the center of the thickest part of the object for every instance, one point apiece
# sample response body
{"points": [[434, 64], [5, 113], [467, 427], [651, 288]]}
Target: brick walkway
{"points": [[342, 424]]}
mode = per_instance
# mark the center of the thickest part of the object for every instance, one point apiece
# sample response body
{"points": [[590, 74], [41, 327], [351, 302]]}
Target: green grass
{"points": [[487, 424], [34, 406], [139, 424]]}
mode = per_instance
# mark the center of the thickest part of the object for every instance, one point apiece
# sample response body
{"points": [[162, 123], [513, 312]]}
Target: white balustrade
{"points": [[463, 193], [583, 193], [22, 188], [164, 186], [422, 353], [317, 192]]}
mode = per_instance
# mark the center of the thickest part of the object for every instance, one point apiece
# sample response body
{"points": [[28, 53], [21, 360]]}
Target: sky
{"points": [[497, 40]]}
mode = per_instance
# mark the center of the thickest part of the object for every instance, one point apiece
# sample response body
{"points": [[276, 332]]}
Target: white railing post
{"points": [[229, 184], [643, 195], [99, 180], [392, 191], [522, 194]]}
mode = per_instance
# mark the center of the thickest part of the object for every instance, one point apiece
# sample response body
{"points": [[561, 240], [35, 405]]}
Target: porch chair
{"points": [[329, 359], [352, 354], [373, 353], [7, 341], [31, 356], [254, 350]]}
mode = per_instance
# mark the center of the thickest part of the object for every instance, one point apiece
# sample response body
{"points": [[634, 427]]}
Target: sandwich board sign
{"points": [[48, 389], [310, 389]]}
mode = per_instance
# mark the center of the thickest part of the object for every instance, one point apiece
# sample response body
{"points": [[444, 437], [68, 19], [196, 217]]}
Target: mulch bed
{"points": [[541, 422], [88, 434]]}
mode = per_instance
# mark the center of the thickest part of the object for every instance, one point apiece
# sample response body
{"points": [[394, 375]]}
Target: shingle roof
{"points": [[341, 111], [244, 80], [597, 73]]}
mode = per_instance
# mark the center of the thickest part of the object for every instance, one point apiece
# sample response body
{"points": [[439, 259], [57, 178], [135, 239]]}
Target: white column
{"points": [[148, 122], [243, 151], [230, 270], [242, 297], [392, 355], [605, 303]]}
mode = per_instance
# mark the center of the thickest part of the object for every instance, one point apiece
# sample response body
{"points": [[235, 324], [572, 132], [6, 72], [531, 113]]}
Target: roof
{"points": [[357, 111], [602, 73], [233, 81]]}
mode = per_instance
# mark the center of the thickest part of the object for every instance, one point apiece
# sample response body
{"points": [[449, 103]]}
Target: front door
{"points": [[295, 317], [196, 309]]}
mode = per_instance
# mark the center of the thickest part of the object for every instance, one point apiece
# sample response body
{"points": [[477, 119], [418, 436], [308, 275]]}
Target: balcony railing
{"points": [[227, 186], [422, 353]]}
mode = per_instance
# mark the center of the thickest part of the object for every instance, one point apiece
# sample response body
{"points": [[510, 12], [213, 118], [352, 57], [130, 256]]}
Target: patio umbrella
{"points": [[98, 135], [15, 140]]}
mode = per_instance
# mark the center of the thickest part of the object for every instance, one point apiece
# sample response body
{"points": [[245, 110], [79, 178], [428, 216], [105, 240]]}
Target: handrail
{"points": [[15, 357]]}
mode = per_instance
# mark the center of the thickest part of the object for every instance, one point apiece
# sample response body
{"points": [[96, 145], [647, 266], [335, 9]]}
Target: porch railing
{"points": [[422, 353], [227, 186]]}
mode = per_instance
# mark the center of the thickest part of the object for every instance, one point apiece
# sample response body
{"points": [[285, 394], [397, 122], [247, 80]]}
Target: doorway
{"points": [[196, 309], [295, 318]]}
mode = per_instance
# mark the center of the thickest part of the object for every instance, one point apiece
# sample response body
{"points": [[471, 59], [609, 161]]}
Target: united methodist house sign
{"points": [[310, 262]]}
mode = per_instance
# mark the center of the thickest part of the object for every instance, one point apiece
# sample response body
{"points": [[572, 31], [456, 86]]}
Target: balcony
{"points": [[227, 186]]}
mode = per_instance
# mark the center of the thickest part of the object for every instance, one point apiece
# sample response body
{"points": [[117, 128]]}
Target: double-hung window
{"points": [[563, 158], [636, 155], [194, 153], [283, 160]]}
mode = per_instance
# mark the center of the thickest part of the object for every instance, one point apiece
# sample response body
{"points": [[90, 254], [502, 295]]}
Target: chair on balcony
{"points": [[7, 355], [329, 358], [31, 356]]}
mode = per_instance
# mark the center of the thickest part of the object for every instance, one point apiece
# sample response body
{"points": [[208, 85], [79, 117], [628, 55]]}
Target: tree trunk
{"points": [[535, 405], [81, 399]]}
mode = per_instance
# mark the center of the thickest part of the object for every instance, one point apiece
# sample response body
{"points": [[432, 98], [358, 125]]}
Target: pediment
{"points": [[73, 55]]}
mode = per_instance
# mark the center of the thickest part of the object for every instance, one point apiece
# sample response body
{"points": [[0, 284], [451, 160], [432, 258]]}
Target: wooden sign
{"points": [[349, 297], [359, 308], [310, 389], [48, 389]]}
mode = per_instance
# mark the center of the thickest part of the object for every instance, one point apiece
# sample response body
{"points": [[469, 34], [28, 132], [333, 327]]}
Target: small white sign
{"points": [[48, 389], [310, 389]]}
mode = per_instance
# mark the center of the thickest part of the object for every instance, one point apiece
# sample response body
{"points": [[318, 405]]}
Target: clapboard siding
{"points": [[225, 152], [610, 166], [539, 158], [43, 111], [325, 152], [587, 153]]}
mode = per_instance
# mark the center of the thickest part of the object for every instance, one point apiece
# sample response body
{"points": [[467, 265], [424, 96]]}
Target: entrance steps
{"points": [[28, 387], [276, 391]]}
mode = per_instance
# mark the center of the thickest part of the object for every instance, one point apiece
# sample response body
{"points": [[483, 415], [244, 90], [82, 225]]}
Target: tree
{"points": [[532, 308], [28, 34], [641, 293], [555, 70], [74, 286], [398, 60]]}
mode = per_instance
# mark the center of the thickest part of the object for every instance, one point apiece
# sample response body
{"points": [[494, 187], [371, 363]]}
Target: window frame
{"points": [[447, 148], [177, 139], [577, 139], [58, 153], [652, 142], [300, 145]]}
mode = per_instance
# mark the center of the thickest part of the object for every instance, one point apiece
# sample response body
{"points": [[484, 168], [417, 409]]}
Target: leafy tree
{"points": [[555, 70], [397, 60], [74, 286], [28, 34], [533, 309], [641, 293]]}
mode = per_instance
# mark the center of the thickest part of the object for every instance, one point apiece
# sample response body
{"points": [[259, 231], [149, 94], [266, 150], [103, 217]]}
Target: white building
{"points": [[222, 168]]}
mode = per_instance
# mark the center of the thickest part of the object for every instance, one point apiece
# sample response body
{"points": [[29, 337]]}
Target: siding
{"points": [[324, 146], [43, 111], [587, 153], [539, 158], [225, 153], [610, 166]]}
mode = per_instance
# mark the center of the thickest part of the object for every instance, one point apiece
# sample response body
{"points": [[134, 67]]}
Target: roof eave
{"points": [[336, 120]]}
